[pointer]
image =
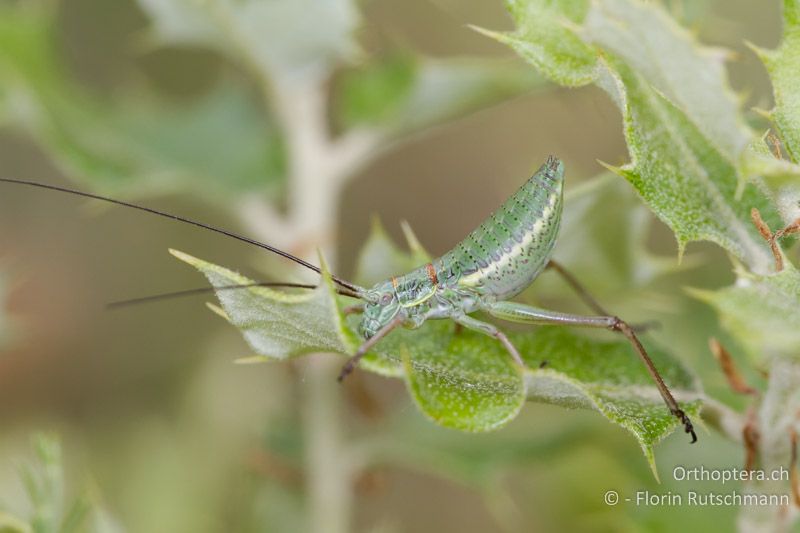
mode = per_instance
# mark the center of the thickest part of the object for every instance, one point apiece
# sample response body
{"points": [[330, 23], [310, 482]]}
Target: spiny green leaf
{"points": [[463, 379], [457, 384], [681, 121], [297, 323], [544, 39], [606, 376], [402, 94], [783, 65], [222, 142], [279, 38], [690, 75], [762, 312], [684, 179]]}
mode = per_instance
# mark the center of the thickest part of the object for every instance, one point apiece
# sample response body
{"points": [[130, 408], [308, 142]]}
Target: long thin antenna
{"points": [[287, 255], [205, 290]]}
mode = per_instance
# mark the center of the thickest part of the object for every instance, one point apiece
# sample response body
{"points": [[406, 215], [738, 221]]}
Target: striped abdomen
{"points": [[510, 248]]}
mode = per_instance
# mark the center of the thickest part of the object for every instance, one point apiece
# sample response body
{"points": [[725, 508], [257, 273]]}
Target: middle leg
{"points": [[489, 329]]}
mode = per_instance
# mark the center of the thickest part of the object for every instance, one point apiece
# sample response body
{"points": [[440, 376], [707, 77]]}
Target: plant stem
{"points": [[313, 201], [317, 168], [777, 416], [329, 472]]}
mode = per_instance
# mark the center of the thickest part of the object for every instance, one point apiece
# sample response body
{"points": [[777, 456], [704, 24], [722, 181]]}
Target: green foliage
{"points": [[611, 251], [783, 66], [46, 489], [544, 38], [463, 380], [277, 37], [681, 121], [693, 159], [688, 74], [402, 94], [222, 142], [225, 142], [297, 323], [454, 381], [376, 94], [380, 258], [11, 524], [695, 162], [6, 322], [679, 173], [762, 312]]}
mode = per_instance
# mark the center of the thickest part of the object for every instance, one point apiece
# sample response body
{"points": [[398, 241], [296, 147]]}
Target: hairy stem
{"points": [[777, 418], [318, 166], [329, 473]]}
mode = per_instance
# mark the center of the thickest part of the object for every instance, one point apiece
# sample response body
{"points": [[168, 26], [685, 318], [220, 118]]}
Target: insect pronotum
{"points": [[492, 264]]}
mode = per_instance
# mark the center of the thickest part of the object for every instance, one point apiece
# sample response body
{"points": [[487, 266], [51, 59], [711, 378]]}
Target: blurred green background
{"points": [[172, 436]]}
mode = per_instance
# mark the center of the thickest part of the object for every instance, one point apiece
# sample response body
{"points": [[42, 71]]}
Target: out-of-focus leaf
{"points": [[402, 94], [375, 92], [464, 379], [780, 176], [44, 483], [5, 320], [223, 142], [762, 312], [75, 518], [783, 65], [380, 258], [543, 38], [12, 524], [609, 246], [280, 38], [46, 490]]}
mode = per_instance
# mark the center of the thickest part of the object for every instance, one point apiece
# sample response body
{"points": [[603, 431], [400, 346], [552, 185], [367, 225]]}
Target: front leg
{"points": [[351, 363], [525, 314]]}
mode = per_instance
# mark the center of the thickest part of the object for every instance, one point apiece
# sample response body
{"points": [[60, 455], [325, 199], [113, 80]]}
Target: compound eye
{"points": [[386, 299], [371, 298]]}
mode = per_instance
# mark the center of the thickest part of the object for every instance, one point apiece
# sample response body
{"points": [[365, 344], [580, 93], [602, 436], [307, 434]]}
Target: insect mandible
{"points": [[494, 263]]}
